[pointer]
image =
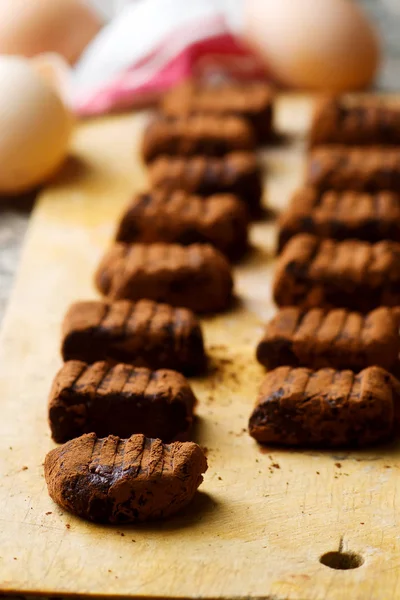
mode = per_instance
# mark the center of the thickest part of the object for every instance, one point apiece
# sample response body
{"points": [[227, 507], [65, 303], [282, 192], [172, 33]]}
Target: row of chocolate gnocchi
{"points": [[149, 333], [205, 183], [334, 344], [157, 272]]}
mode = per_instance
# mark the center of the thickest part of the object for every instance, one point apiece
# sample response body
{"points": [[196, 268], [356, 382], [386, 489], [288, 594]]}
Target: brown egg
{"points": [[29, 27], [313, 44]]}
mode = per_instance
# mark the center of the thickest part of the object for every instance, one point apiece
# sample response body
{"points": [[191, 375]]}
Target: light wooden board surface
{"points": [[262, 519]]}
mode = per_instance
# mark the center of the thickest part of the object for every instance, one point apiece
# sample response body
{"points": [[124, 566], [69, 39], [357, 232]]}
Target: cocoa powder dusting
{"points": [[123, 480]]}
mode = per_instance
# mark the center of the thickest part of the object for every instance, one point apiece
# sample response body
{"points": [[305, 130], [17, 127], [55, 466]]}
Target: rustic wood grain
{"points": [[262, 519]]}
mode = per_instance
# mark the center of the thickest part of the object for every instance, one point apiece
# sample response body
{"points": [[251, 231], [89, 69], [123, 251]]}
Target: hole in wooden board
{"points": [[341, 560]]}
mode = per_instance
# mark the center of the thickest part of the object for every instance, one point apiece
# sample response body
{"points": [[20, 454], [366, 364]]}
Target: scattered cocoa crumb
{"points": [[24, 468], [15, 558], [220, 478], [49, 513], [218, 347], [226, 361], [10, 448], [276, 465], [387, 467], [338, 465], [67, 525], [133, 540], [361, 523], [109, 570], [317, 472], [234, 377], [220, 371], [238, 433], [122, 534]]}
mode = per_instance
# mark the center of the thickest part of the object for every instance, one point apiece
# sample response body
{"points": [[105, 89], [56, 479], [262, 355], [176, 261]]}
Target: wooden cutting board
{"points": [[262, 519]]}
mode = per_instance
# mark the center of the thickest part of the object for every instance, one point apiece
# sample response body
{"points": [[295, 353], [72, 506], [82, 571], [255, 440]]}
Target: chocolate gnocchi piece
{"points": [[341, 215], [197, 277], [199, 134], [142, 333], [113, 480], [364, 169], [237, 173], [336, 338], [336, 121], [326, 273], [178, 217], [326, 408], [252, 101], [119, 400]]}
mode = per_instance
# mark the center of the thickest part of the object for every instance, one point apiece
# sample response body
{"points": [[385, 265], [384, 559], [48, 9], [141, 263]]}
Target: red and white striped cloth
{"points": [[152, 45]]}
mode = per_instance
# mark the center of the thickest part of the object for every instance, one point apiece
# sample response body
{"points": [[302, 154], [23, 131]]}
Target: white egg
{"points": [[35, 127], [313, 44]]}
